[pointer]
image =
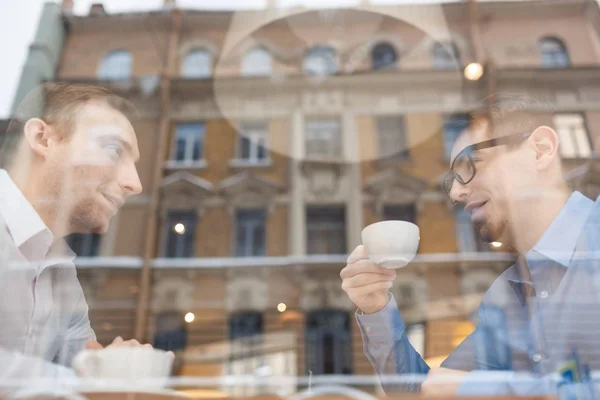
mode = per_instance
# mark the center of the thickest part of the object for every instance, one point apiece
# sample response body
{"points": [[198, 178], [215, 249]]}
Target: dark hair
{"points": [[57, 103]]}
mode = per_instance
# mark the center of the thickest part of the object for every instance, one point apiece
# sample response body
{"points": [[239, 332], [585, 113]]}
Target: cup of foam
{"points": [[391, 244]]}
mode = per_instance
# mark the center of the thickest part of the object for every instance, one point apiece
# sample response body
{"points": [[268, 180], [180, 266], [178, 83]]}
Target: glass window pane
{"points": [[392, 137], [197, 64], [116, 65], [320, 61], [323, 138], [383, 56], [250, 233], [326, 230], [445, 56], [257, 62], [189, 142], [553, 53], [182, 243]]}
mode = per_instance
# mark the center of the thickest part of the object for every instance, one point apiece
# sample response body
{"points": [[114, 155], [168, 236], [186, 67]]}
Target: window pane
{"points": [[406, 212], [180, 244], [323, 138], [84, 245], [115, 65], [328, 344], [250, 234], [445, 56], [573, 135], [553, 53], [189, 142], [197, 64], [245, 145], [326, 230], [383, 56], [320, 61], [257, 62], [392, 137]]}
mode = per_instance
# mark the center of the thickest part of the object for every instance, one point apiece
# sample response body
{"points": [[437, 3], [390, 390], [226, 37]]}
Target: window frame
{"points": [[105, 73], [245, 69], [318, 209], [248, 246], [254, 136], [403, 152], [335, 150], [189, 144], [575, 141], [187, 72], [168, 227]]}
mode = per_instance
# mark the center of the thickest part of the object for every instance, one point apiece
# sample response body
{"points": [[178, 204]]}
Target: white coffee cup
{"points": [[126, 366], [391, 244]]}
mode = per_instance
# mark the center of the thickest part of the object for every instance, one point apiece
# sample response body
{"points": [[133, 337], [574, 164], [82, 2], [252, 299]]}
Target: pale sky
{"points": [[19, 19]]}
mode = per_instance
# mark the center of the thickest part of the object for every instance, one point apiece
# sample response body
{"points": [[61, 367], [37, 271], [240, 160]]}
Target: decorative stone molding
{"points": [[474, 279], [318, 294], [410, 289], [199, 44], [246, 190], [393, 187], [173, 294], [184, 191], [323, 178], [246, 291]]}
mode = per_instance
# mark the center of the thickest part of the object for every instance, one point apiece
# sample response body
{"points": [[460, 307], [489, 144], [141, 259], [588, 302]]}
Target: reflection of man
{"points": [[68, 170], [506, 171]]}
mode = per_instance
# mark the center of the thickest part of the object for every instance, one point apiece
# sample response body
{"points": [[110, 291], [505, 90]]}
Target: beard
{"points": [[87, 217], [490, 230]]}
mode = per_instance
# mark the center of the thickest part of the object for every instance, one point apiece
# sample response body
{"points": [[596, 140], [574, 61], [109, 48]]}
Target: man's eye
{"points": [[114, 150]]}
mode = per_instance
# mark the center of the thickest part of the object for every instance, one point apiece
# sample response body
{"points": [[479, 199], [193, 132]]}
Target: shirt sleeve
{"points": [[79, 332], [387, 347]]}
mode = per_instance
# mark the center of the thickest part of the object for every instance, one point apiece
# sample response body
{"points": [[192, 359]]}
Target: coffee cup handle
{"points": [[81, 362]]}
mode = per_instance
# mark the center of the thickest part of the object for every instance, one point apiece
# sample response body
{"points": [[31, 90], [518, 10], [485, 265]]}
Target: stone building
{"points": [[269, 138]]}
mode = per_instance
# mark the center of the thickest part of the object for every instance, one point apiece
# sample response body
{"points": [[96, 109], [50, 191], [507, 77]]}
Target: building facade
{"points": [[270, 138]]}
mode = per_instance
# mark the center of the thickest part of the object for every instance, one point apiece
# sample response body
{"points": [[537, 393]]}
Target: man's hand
{"points": [[442, 381], [365, 282], [118, 342]]}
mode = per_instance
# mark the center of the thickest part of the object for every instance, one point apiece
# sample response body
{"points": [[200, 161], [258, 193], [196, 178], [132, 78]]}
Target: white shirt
{"points": [[43, 314]]}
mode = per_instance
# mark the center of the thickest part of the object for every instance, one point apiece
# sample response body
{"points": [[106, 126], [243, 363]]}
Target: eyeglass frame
{"points": [[486, 144]]}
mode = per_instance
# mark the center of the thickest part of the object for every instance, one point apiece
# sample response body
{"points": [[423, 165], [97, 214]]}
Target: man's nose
{"points": [[130, 181], [458, 192]]}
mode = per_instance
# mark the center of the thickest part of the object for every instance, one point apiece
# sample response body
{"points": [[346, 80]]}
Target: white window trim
{"points": [[573, 135], [248, 233], [255, 135], [188, 161]]}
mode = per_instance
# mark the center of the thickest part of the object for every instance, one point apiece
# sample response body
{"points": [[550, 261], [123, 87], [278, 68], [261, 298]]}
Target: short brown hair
{"points": [[57, 103], [510, 113]]}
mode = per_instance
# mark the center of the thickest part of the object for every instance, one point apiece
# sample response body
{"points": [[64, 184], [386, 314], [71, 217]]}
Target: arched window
{"points": [[320, 61], [116, 65], [445, 56], [197, 64], [328, 342], [383, 56], [257, 62], [553, 53]]}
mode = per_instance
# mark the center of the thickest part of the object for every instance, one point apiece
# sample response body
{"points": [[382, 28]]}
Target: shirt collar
{"points": [[22, 220], [560, 239]]}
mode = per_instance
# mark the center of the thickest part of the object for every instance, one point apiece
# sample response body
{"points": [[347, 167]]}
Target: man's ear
{"points": [[37, 135], [545, 145]]}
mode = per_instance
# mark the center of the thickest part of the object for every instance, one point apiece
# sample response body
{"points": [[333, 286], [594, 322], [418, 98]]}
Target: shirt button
{"points": [[543, 294], [536, 358], [368, 329]]}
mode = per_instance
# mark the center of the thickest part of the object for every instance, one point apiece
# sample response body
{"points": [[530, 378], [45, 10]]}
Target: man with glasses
{"points": [[541, 312]]}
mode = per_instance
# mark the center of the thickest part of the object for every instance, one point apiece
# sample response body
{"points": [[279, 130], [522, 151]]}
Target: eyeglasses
{"points": [[463, 167]]}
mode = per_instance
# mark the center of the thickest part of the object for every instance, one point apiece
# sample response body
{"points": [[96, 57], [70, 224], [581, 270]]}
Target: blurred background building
{"points": [[270, 138]]}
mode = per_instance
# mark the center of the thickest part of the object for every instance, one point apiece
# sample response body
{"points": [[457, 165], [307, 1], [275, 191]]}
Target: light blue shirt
{"points": [[527, 324]]}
